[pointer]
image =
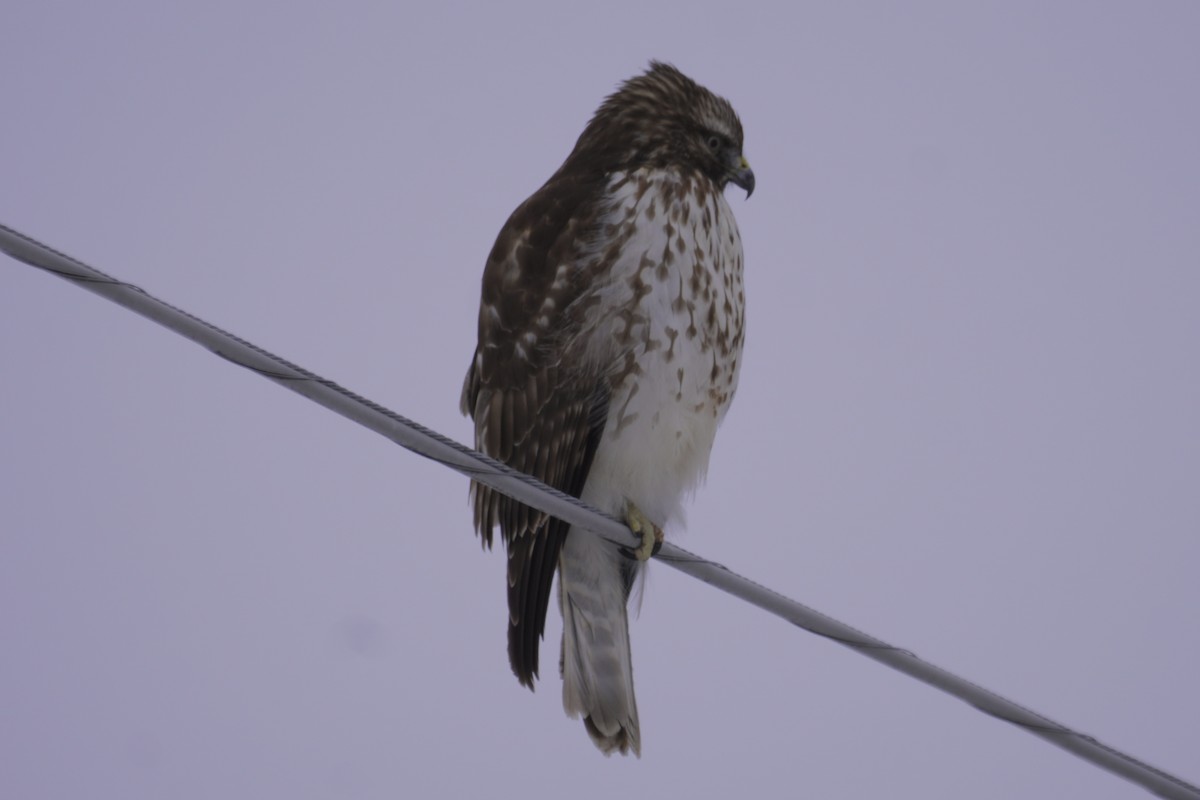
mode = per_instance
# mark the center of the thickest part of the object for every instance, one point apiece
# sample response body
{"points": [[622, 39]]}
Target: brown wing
{"points": [[532, 409]]}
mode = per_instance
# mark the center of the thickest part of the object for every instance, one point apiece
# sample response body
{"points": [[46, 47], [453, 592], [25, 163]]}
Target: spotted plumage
{"points": [[610, 334]]}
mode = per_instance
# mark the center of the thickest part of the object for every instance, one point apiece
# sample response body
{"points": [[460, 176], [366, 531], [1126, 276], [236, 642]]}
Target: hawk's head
{"points": [[664, 118]]}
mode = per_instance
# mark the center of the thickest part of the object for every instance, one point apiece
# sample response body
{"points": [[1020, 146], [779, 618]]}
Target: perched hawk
{"points": [[610, 333]]}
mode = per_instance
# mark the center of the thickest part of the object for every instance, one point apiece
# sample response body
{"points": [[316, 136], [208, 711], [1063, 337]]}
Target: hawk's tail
{"points": [[597, 666]]}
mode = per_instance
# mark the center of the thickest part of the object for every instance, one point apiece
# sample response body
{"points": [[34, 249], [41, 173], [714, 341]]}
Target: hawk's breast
{"points": [[666, 321]]}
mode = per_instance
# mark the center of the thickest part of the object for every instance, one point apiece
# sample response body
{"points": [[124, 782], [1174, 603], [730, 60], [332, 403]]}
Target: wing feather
{"points": [[531, 410]]}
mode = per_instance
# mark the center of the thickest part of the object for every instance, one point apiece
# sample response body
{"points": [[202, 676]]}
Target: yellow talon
{"points": [[652, 535]]}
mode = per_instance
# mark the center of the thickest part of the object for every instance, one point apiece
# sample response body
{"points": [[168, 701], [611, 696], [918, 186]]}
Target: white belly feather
{"points": [[670, 324]]}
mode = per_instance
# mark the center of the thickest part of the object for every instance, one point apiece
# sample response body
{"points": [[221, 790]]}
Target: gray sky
{"points": [[968, 418]]}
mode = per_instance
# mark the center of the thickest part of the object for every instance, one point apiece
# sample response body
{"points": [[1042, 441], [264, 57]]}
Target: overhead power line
{"points": [[530, 491]]}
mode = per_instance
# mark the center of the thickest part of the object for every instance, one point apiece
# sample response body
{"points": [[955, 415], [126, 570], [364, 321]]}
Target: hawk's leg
{"points": [[652, 535]]}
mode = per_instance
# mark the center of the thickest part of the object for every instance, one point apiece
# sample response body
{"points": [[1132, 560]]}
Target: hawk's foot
{"points": [[652, 535]]}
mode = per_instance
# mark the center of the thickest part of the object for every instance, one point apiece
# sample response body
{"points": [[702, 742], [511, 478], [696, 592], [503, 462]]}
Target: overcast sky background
{"points": [[968, 420]]}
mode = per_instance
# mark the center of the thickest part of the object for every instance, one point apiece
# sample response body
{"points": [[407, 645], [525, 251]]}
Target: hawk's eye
{"points": [[714, 143]]}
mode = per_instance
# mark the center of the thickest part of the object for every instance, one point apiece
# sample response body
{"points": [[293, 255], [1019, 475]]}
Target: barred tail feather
{"points": [[597, 666]]}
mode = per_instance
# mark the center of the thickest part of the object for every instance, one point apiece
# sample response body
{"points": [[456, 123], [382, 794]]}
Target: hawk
{"points": [[610, 334]]}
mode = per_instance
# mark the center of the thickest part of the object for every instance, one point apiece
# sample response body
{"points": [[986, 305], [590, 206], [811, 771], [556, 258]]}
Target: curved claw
{"points": [[652, 535]]}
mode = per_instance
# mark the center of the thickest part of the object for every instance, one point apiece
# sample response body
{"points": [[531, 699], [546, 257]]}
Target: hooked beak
{"points": [[741, 175]]}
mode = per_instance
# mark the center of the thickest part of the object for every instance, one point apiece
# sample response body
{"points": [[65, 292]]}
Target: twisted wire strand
{"points": [[529, 490]]}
